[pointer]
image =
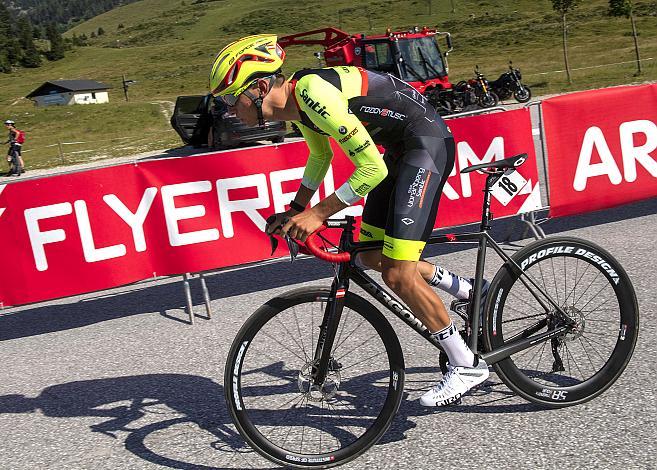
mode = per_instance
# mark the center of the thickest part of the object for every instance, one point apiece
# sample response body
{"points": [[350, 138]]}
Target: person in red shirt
{"points": [[15, 141]]}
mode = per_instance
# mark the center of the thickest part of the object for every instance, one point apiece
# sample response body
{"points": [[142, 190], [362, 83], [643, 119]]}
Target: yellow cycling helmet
{"points": [[240, 63]]}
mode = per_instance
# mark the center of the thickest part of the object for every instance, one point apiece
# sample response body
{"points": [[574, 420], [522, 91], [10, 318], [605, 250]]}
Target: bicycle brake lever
{"points": [[274, 244], [293, 246]]}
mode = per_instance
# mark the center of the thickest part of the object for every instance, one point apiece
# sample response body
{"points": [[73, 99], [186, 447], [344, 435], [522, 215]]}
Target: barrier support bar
{"points": [[206, 296], [188, 297]]}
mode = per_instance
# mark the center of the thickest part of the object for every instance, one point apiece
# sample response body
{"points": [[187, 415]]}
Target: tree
{"points": [[563, 7], [101, 31], [57, 46], [30, 57], [626, 8], [5, 39]]}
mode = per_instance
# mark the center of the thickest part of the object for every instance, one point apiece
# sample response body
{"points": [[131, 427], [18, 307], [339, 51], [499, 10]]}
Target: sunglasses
{"points": [[231, 100]]}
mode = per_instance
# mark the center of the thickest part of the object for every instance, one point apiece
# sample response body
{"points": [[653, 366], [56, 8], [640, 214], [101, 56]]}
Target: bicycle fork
{"points": [[323, 361]]}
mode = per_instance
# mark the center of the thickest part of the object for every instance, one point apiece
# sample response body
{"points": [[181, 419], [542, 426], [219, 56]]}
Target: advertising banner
{"points": [[97, 229], [602, 148]]}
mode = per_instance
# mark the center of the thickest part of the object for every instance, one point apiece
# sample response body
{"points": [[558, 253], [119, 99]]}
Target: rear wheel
{"points": [[269, 389], [593, 290]]}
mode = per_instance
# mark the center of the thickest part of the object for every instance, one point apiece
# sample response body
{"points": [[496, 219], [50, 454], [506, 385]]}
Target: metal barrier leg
{"points": [[206, 296], [529, 219], [188, 297]]}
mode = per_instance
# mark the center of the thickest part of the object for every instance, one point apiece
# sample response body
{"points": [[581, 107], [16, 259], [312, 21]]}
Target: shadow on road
{"points": [[138, 409]]}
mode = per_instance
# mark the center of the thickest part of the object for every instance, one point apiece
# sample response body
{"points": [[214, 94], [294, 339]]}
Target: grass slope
{"points": [[168, 46]]}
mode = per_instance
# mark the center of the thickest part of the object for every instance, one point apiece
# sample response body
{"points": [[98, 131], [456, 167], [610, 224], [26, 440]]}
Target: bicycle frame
{"points": [[350, 271]]}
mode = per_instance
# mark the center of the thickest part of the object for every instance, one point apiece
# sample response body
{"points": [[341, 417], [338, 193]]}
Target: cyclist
{"points": [[361, 109], [15, 141]]}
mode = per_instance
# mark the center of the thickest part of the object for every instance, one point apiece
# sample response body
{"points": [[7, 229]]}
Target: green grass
{"points": [[168, 46]]}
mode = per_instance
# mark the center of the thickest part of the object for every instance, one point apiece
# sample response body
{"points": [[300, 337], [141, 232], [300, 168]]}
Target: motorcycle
{"points": [[486, 97], [510, 83], [466, 95]]}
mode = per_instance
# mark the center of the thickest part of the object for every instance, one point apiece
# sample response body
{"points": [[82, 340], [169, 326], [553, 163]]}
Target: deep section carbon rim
{"points": [[271, 396], [594, 291]]}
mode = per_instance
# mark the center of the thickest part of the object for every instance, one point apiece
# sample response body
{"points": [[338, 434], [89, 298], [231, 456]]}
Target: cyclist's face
{"points": [[245, 110]]}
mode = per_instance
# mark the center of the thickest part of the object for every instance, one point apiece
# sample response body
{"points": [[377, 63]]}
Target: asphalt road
{"points": [[120, 380]]}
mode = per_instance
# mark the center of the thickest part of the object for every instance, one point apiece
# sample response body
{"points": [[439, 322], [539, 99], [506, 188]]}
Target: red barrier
{"points": [[98, 229], [602, 148]]}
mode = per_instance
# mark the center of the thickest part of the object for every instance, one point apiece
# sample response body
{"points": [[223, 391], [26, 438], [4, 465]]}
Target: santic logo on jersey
{"points": [[314, 105], [384, 112]]}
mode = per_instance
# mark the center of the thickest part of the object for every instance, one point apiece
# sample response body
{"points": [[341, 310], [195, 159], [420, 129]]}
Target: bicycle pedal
{"points": [[460, 307]]}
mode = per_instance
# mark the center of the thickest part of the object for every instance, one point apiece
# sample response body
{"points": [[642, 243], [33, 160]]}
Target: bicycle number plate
{"points": [[508, 186]]}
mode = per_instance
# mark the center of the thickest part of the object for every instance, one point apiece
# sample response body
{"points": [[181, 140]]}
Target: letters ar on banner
{"points": [[98, 229], [602, 148]]}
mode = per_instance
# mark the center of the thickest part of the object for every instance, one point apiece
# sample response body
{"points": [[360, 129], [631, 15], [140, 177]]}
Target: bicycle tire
{"points": [[560, 390], [239, 352]]}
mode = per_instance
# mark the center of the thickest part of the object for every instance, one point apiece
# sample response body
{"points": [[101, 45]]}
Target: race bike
{"points": [[316, 375], [510, 83]]}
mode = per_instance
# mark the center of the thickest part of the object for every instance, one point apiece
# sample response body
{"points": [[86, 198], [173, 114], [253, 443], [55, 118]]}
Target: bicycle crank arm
{"points": [[509, 349]]}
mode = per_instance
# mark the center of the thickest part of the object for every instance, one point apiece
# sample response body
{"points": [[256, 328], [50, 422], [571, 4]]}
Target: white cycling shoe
{"points": [[455, 383]]}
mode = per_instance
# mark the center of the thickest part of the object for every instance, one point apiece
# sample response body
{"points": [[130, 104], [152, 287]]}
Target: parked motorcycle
{"points": [[466, 95], [486, 97], [510, 83]]}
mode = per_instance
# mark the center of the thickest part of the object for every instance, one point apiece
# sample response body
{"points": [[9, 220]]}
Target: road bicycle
{"points": [[316, 375]]}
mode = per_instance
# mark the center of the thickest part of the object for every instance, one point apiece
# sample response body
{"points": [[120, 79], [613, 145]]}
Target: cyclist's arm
{"points": [[319, 160], [327, 108]]}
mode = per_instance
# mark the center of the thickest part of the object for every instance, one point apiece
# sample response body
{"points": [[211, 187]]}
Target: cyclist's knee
{"points": [[370, 259], [400, 276]]}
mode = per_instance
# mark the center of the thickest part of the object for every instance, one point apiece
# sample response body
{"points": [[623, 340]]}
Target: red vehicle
{"points": [[414, 56]]}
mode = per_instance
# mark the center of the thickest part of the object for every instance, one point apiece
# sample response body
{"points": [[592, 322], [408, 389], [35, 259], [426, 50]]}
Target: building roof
{"points": [[62, 86]]}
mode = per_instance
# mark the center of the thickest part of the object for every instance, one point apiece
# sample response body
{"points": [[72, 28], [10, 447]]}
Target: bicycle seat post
{"points": [[473, 308]]}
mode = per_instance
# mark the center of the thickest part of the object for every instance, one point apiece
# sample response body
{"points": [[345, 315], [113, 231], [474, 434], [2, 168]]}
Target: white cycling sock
{"points": [[450, 283], [457, 351]]}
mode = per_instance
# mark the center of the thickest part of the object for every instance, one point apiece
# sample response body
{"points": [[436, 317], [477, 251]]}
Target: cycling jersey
{"points": [[360, 109]]}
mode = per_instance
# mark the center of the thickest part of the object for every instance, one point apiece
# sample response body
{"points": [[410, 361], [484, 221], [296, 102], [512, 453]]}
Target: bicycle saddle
{"points": [[498, 166]]}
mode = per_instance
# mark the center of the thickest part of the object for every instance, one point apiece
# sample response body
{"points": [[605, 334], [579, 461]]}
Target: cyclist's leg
{"points": [[422, 173], [16, 168], [373, 225]]}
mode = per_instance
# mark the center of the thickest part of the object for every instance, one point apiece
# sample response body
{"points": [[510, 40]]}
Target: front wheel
{"points": [[593, 290], [271, 396], [523, 94], [488, 100]]}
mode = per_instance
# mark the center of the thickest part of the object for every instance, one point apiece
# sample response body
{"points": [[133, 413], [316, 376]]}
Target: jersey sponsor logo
{"points": [[359, 149], [408, 220], [366, 233], [348, 136], [383, 112], [342, 130], [416, 189], [314, 105], [363, 189]]}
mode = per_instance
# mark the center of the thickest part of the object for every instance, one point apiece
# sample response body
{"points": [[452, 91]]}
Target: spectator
{"points": [[15, 141]]}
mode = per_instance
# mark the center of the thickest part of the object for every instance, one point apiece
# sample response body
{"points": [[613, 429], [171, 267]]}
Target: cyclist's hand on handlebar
{"points": [[276, 221], [302, 225]]}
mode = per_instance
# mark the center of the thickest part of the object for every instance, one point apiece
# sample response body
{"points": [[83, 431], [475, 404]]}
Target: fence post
{"points": [[61, 151], [188, 297]]}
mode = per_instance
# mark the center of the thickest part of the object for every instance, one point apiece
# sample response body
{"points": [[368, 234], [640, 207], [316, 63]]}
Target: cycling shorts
{"points": [[402, 209]]}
